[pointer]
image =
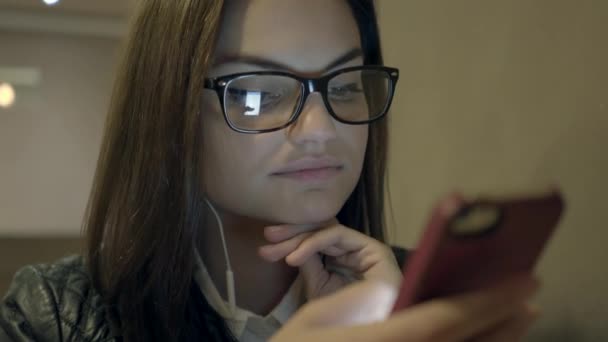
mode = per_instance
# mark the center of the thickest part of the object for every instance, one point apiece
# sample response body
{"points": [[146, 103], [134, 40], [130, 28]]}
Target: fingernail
{"points": [[267, 253], [264, 251], [292, 260], [273, 229], [271, 233]]}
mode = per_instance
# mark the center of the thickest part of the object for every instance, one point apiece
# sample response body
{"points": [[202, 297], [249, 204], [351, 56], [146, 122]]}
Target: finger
{"points": [[371, 263], [425, 322], [514, 329], [402, 327], [314, 276], [338, 236], [353, 261], [360, 303], [461, 317], [282, 249], [454, 320], [364, 302], [333, 251], [284, 232]]}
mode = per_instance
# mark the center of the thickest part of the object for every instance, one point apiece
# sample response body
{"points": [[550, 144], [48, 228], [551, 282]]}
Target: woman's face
{"points": [[242, 172]]}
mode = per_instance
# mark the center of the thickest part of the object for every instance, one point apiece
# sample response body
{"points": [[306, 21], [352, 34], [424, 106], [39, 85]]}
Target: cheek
{"points": [[234, 166], [356, 138], [221, 148], [227, 160]]}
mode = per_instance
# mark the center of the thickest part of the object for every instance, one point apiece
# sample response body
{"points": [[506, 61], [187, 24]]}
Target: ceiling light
{"points": [[50, 2], [7, 95]]}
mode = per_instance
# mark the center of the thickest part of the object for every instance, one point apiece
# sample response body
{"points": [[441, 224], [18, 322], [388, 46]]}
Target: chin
{"points": [[309, 213]]}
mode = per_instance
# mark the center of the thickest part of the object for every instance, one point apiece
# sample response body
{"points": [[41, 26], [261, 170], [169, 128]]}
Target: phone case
{"points": [[470, 245]]}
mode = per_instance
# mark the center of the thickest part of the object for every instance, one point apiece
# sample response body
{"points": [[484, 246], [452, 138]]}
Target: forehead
{"points": [[304, 34]]}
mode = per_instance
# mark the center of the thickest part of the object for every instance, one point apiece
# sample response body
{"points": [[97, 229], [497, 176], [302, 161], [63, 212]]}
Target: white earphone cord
{"points": [[229, 275]]}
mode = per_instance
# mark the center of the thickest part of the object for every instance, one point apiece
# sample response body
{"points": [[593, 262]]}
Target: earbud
{"points": [[229, 275]]}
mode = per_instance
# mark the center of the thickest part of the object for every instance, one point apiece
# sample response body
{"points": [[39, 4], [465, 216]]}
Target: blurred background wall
{"points": [[495, 97], [499, 97], [60, 62], [49, 139]]}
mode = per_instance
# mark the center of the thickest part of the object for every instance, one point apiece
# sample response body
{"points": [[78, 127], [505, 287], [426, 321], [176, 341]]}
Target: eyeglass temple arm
{"points": [[210, 83]]}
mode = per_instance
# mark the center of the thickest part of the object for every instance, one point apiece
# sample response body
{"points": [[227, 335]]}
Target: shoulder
{"points": [[54, 302]]}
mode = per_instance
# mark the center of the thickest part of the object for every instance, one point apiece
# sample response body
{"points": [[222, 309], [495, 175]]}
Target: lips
{"points": [[309, 165], [315, 170]]}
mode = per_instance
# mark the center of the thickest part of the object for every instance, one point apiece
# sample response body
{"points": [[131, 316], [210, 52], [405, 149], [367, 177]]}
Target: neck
{"points": [[259, 285]]}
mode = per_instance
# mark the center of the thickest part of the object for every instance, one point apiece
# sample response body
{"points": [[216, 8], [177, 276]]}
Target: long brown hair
{"points": [[145, 207]]}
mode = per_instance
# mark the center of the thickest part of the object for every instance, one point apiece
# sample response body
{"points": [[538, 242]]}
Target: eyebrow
{"points": [[270, 64]]}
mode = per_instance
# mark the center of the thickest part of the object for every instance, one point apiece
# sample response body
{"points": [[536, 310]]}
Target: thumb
{"points": [[361, 303]]}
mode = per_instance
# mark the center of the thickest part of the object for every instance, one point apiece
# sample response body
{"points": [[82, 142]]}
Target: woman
{"points": [[241, 176]]}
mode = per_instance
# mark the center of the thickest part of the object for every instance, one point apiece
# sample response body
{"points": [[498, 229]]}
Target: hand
{"points": [[359, 313], [317, 253]]}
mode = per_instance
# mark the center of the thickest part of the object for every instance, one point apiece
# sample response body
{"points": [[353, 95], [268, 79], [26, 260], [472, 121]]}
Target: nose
{"points": [[314, 126]]}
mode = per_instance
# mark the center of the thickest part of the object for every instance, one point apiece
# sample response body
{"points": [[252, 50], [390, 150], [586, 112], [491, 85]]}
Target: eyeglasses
{"points": [[266, 101]]}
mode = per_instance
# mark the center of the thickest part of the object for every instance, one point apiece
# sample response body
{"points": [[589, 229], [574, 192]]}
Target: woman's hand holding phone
{"points": [[319, 249], [360, 312], [463, 284]]}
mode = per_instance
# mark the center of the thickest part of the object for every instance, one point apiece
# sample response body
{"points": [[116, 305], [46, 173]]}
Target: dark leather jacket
{"points": [[56, 302]]}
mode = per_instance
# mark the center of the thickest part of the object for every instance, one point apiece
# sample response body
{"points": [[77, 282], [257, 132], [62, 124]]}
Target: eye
{"points": [[268, 98], [254, 102], [344, 92]]}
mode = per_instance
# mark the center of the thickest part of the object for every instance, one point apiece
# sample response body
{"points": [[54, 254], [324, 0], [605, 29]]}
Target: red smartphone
{"points": [[469, 245]]}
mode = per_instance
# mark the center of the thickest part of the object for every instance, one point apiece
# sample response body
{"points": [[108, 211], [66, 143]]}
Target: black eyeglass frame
{"points": [[308, 86]]}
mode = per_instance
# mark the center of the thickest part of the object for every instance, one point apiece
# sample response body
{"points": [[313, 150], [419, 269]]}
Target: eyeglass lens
{"points": [[260, 102]]}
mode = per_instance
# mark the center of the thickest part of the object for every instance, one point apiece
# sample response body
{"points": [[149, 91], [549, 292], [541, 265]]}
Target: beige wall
{"points": [[494, 96], [499, 96], [50, 139]]}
